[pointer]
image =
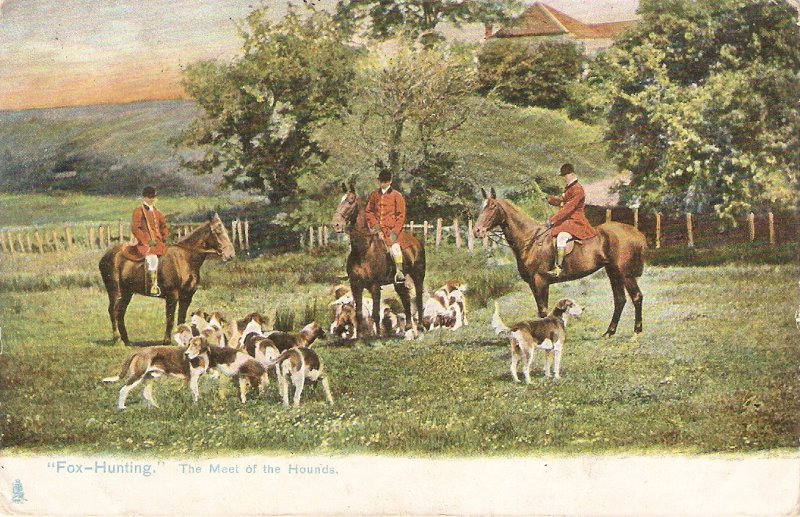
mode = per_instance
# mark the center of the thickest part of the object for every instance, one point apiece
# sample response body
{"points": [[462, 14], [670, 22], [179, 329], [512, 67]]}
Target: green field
{"points": [[715, 370]]}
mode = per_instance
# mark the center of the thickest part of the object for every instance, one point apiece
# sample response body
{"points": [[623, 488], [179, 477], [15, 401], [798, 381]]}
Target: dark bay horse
{"points": [[619, 248], [369, 265], [178, 275]]}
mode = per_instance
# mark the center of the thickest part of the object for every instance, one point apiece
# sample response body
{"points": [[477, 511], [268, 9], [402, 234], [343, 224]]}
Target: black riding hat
{"points": [[149, 192], [567, 168], [385, 175]]}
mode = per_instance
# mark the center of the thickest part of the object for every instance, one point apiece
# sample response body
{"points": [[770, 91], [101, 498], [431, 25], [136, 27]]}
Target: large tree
{"points": [[406, 108], [701, 104], [260, 110], [383, 19]]}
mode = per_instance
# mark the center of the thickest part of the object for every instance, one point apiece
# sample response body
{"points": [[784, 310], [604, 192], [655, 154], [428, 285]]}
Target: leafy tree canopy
{"points": [[260, 110], [701, 104], [382, 19]]}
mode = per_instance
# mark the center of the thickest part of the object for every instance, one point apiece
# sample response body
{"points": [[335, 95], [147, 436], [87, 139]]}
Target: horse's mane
{"points": [[194, 236]]}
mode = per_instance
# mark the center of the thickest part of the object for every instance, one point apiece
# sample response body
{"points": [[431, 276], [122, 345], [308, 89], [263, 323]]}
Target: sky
{"points": [[81, 52]]}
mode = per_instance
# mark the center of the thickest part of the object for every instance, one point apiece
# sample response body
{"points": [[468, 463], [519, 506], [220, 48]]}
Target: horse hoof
{"points": [[609, 333]]}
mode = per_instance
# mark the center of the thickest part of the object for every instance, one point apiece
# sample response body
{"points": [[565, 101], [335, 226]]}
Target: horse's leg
{"points": [[632, 286], [357, 302], [405, 297], [184, 300], [375, 291], [541, 292], [113, 296], [119, 315], [618, 289], [418, 289], [172, 303]]}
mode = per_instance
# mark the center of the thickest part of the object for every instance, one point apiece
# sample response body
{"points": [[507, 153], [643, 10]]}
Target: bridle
{"points": [[498, 238]]}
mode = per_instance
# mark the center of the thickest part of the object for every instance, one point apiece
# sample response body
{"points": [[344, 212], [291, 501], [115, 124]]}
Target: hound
{"points": [[300, 363], [153, 362], [547, 334], [198, 321], [230, 362], [454, 292], [235, 334], [438, 313], [264, 348]]}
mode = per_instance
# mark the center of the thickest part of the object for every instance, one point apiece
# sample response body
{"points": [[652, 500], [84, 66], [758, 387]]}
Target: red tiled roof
{"points": [[542, 20], [612, 29]]}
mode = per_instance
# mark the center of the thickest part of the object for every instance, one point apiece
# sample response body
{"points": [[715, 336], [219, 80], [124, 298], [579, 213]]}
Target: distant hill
{"points": [[117, 149], [107, 149]]}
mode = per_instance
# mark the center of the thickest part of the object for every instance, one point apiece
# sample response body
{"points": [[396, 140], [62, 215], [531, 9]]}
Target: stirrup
{"points": [[399, 278], [555, 272]]}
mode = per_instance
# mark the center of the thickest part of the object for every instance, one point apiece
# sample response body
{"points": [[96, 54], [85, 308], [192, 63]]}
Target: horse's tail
{"points": [[497, 323], [106, 266], [635, 266]]}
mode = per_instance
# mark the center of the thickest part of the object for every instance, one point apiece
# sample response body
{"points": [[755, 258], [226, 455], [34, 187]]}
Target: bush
{"points": [[528, 75]]}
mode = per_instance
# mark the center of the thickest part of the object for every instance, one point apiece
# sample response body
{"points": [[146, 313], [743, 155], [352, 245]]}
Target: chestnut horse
{"points": [[369, 265], [619, 248], [178, 275]]}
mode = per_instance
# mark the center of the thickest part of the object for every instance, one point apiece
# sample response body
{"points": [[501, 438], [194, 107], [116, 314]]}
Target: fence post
{"points": [[10, 242], [310, 237], [247, 234], [494, 244], [636, 217], [21, 245], [28, 242], [425, 231], [101, 237], [486, 241], [233, 232], [38, 242], [56, 242], [120, 231], [411, 226], [608, 214], [91, 238], [68, 234], [320, 242], [689, 231], [240, 232], [771, 228], [3, 242], [470, 238], [658, 229], [457, 232], [438, 231], [751, 222]]}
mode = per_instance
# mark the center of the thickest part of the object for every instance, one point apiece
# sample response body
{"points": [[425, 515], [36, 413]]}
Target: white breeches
{"points": [[152, 262], [395, 250], [562, 239]]}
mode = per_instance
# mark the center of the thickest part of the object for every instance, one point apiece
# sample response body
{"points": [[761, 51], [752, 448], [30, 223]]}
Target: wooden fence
{"points": [[95, 236], [661, 230]]}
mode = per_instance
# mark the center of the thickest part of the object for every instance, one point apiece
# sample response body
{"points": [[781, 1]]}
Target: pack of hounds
{"points": [[246, 351]]}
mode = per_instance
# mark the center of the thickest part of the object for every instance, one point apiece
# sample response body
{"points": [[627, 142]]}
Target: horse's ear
{"points": [[353, 187], [483, 193], [344, 188], [494, 194]]}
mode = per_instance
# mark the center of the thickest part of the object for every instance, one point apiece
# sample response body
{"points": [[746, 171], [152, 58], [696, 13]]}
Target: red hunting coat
{"points": [[387, 211], [141, 232], [570, 217]]}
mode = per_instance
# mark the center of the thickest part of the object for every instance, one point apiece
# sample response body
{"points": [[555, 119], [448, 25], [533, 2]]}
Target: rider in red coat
{"points": [[570, 221], [386, 214], [149, 228]]}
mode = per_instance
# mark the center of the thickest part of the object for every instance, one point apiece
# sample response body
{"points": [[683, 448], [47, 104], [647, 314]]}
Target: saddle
{"points": [[570, 243]]}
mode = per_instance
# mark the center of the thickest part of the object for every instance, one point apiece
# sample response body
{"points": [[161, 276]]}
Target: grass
{"points": [[714, 371]]}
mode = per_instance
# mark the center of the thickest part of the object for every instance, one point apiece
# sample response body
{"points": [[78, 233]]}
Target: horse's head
{"points": [[491, 215], [347, 211], [218, 239]]}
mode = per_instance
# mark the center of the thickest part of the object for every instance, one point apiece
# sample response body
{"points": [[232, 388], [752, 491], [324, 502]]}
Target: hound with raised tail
{"points": [[300, 364], [547, 334]]}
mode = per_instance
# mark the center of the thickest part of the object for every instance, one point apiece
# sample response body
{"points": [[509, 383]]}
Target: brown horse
{"points": [[619, 248], [369, 265], [178, 275]]}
